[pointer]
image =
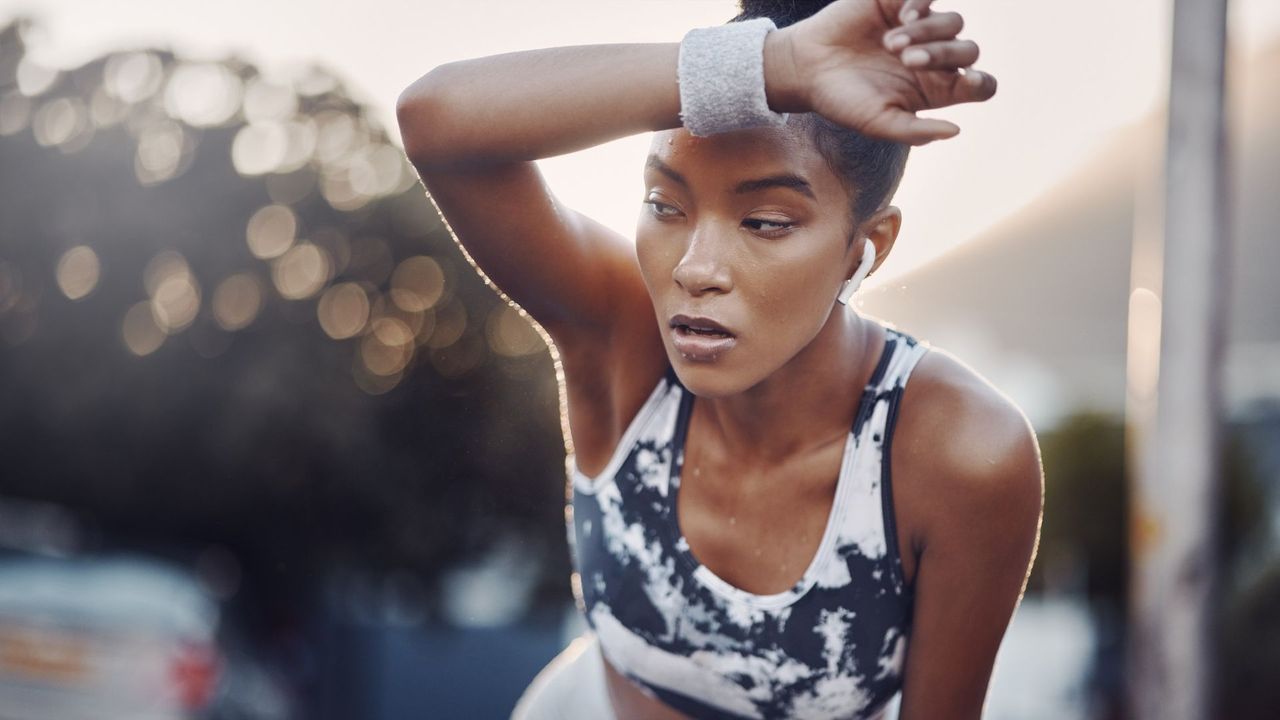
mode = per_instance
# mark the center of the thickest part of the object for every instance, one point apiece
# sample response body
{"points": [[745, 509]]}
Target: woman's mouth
{"points": [[700, 339]]}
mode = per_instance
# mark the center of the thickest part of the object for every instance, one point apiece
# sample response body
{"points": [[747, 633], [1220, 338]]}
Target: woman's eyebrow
{"points": [[653, 162], [783, 180]]}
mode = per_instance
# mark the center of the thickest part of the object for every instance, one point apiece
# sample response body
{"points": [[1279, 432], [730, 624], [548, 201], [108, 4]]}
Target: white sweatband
{"points": [[721, 75]]}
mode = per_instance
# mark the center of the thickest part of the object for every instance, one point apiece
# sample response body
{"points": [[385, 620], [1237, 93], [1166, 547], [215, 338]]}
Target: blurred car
{"points": [[121, 637]]}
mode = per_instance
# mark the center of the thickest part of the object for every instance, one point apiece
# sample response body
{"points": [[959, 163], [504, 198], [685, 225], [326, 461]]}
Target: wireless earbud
{"points": [[864, 267]]}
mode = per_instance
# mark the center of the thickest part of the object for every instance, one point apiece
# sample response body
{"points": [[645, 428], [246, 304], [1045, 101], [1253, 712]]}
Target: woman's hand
{"points": [[871, 65]]}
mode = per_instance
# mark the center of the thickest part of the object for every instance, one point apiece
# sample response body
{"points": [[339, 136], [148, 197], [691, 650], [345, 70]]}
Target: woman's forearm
{"points": [[539, 103], [522, 106]]}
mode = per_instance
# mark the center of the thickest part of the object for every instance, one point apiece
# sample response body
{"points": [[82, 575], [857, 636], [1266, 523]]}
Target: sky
{"points": [[1070, 73]]}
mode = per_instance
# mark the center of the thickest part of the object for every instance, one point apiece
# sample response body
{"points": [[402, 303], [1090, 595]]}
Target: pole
{"points": [[1175, 494]]}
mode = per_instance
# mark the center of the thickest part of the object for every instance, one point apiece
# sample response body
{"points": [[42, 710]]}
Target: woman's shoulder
{"points": [[962, 444], [949, 397]]}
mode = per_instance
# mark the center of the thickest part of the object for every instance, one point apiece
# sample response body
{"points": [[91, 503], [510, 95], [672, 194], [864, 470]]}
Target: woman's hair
{"points": [[869, 169]]}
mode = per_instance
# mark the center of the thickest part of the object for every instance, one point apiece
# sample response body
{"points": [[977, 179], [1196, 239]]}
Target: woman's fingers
{"points": [[903, 126], [941, 26], [973, 86], [947, 55], [914, 9]]}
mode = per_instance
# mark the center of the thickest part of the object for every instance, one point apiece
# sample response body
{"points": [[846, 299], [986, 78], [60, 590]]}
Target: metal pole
{"points": [[1175, 496]]}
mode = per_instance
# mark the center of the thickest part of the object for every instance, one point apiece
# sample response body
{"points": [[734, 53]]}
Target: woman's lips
{"points": [[699, 338], [699, 322], [700, 347]]}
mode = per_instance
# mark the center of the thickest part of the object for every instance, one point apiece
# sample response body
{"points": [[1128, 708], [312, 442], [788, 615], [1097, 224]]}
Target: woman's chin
{"points": [[709, 380]]}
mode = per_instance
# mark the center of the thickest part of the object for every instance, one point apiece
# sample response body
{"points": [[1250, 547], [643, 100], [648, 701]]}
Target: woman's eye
{"points": [[768, 226], [661, 209]]}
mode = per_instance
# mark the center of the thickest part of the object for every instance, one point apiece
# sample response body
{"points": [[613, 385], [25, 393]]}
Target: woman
{"points": [[742, 548]]}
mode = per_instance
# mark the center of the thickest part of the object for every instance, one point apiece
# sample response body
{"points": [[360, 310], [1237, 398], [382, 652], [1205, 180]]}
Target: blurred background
{"points": [[270, 448]]}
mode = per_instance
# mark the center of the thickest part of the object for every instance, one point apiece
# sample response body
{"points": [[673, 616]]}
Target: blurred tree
{"points": [[1084, 501], [1249, 681], [1084, 548], [194, 392], [1086, 509]]}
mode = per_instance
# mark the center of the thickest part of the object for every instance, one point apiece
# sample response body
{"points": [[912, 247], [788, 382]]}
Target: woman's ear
{"points": [[864, 267], [882, 230]]}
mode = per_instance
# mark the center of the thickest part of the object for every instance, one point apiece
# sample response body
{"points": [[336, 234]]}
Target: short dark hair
{"points": [[869, 169]]}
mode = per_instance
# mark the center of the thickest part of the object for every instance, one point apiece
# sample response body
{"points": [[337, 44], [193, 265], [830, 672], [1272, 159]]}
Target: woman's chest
{"points": [[691, 588], [758, 529], [762, 529]]}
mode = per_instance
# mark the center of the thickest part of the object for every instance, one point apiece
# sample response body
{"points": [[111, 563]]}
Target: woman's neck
{"points": [[808, 402]]}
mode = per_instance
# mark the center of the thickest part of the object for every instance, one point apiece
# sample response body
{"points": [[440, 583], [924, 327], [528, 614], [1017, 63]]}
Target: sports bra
{"points": [[831, 646]]}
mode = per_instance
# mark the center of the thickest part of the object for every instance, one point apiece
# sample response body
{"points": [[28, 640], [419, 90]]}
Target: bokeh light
{"points": [[338, 190], [371, 382], [343, 310], [312, 80], [300, 144], [1143, 359], [176, 302], [78, 271], [271, 231], [237, 301], [337, 136], [265, 100], [160, 267], [301, 271], [141, 334], [132, 77], [417, 283], [202, 94], [451, 322], [33, 77], [376, 170], [259, 148], [174, 291], [162, 148], [413, 319], [388, 347], [105, 110], [63, 122]]}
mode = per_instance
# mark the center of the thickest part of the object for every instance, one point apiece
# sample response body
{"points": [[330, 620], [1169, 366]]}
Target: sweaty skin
{"points": [[765, 432]]}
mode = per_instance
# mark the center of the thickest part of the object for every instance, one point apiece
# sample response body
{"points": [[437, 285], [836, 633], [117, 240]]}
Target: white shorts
{"points": [[571, 687]]}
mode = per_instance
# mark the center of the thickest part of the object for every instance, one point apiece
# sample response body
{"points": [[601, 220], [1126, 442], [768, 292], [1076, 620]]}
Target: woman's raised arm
{"points": [[535, 104], [473, 129]]}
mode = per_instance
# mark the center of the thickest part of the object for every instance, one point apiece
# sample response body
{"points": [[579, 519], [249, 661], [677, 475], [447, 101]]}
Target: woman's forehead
{"points": [[738, 154]]}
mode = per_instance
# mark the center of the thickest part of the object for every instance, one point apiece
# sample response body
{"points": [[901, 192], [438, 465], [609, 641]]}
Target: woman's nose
{"points": [[703, 267]]}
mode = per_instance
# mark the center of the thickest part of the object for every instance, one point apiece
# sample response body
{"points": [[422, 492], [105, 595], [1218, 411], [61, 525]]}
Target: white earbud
{"points": [[864, 267]]}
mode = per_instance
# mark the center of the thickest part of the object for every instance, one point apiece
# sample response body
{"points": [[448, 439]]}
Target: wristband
{"points": [[720, 71]]}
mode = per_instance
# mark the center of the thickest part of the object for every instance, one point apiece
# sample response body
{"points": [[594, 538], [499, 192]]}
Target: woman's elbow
{"points": [[419, 113]]}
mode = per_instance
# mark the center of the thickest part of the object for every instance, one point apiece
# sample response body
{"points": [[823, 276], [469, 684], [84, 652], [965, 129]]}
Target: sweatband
{"points": [[721, 75]]}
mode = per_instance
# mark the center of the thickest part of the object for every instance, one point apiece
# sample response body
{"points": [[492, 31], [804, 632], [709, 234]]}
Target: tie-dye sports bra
{"points": [[832, 646]]}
